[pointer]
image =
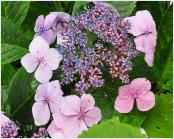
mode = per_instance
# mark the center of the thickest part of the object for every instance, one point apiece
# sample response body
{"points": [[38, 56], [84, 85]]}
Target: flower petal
{"points": [[145, 101], [38, 47], [41, 92], [146, 19], [39, 23], [87, 102], [53, 58], [136, 27], [70, 124], [60, 119], [140, 85], [43, 73], [62, 17], [55, 103], [93, 116], [139, 42], [54, 131], [74, 127], [29, 62], [125, 91], [49, 20], [41, 113], [149, 59], [150, 44], [141, 23], [54, 86], [48, 35], [124, 105], [70, 105]]}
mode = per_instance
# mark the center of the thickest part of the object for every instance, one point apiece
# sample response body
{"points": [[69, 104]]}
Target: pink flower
{"points": [[75, 115], [43, 27], [139, 90], [42, 59], [4, 119], [46, 27], [144, 28], [48, 98]]}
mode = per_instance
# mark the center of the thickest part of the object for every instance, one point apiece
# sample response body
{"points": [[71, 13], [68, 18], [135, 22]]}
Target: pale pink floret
{"points": [[48, 99], [42, 59], [139, 90], [76, 115], [43, 27], [144, 28], [46, 27]]}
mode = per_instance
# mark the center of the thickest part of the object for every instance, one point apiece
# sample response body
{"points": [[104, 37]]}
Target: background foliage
{"points": [[18, 87]]}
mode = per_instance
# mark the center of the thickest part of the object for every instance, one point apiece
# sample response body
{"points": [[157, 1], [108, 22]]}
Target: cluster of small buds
{"points": [[9, 130], [91, 78], [101, 54], [42, 133], [119, 66], [104, 21], [74, 51]]}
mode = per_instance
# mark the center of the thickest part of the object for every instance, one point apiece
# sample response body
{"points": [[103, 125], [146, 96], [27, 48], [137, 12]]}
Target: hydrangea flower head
{"points": [[144, 28], [42, 59], [75, 115], [48, 98], [80, 56], [139, 90]]}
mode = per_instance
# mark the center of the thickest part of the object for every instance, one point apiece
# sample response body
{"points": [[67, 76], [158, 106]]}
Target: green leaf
{"points": [[134, 118], [21, 97], [159, 121], [141, 69], [11, 53], [58, 5], [112, 128], [16, 10], [125, 8], [164, 5], [8, 71], [5, 107], [78, 7], [163, 66], [12, 33]]}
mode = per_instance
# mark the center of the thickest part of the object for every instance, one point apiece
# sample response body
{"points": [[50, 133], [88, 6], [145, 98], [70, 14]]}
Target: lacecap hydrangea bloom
{"points": [[79, 56], [82, 64]]}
